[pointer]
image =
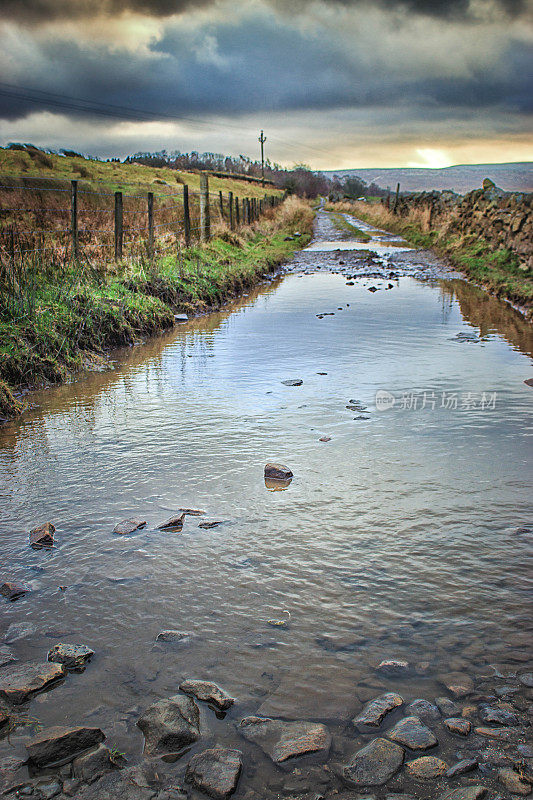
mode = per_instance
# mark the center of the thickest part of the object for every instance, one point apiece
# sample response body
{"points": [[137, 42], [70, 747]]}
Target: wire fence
{"points": [[79, 222]]}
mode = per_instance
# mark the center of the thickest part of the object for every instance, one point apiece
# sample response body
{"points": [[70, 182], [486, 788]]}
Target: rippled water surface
{"points": [[396, 538]]}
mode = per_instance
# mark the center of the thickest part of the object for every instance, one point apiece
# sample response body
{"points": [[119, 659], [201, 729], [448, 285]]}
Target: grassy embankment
{"points": [[59, 315], [496, 270]]}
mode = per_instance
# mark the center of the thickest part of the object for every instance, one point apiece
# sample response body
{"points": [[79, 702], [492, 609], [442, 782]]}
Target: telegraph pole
{"points": [[262, 139]]}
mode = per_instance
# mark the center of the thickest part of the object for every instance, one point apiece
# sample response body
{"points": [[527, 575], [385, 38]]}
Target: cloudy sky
{"points": [[334, 83]]}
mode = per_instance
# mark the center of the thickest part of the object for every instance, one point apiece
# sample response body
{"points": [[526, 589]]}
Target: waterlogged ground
{"points": [[405, 536]]}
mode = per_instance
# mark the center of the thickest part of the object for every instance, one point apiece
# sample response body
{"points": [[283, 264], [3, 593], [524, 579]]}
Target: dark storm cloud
{"points": [[35, 11]]}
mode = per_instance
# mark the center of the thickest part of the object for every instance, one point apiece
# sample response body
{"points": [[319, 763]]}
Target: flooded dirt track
{"points": [[403, 537]]}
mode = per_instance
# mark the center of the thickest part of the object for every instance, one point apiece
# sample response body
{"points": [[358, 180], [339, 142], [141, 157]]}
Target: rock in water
{"points": [[458, 725], [277, 472], [208, 692], [283, 740], [465, 793], [374, 712], [73, 656], [293, 382], [174, 523], [129, 526], [170, 725], [215, 772], [374, 764], [42, 536], [423, 709], [412, 733], [462, 767], [174, 637], [13, 590], [514, 782], [61, 744], [392, 667], [457, 683], [19, 681], [6, 656], [498, 716], [426, 767], [91, 766]]}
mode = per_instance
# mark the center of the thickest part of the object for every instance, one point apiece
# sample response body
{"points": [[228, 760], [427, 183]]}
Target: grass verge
{"points": [[342, 224], [498, 271], [54, 324]]}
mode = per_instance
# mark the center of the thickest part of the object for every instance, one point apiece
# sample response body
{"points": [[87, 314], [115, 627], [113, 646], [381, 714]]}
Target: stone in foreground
{"points": [[458, 725], [277, 472], [412, 733], [19, 681], [374, 765], [59, 743], [170, 725], [42, 536], [73, 656], [374, 712], [208, 692], [457, 683], [13, 590], [426, 768], [91, 766], [215, 772], [129, 526], [465, 793], [513, 782], [283, 740], [498, 716], [130, 784]]}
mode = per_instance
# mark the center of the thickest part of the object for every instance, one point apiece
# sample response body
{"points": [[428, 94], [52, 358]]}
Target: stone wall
{"points": [[503, 219]]}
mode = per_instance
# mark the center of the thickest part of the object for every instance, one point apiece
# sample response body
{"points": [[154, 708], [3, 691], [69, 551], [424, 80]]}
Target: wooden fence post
{"points": [[119, 228], [244, 210], [205, 219], [237, 211], [230, 206], [221, 203], [186, 216], [396, 198], [150, 225], [74, 216]]}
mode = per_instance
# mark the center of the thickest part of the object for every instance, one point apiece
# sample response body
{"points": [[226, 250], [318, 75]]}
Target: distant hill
{"points": [[461, 178]]}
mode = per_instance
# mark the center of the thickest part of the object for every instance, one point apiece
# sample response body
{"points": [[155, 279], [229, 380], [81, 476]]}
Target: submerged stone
{"points": [[283, 740], [13, 590], [458, 684], [6, 656], [412, 733], [293, 382], [215, 772], [465, 793], [374, 764], [497, 715], [423, 709], [392, 667], [129, 526]]}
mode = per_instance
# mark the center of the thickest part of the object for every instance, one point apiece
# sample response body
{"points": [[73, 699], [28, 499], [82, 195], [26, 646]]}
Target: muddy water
{"points": [[396, 538]]}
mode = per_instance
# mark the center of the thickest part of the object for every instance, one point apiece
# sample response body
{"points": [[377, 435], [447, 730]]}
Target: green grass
{"points": [[80, 313]]}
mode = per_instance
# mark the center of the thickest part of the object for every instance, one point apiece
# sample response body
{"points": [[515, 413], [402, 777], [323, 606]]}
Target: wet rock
{"points": [[13, 590], [176, 637], [412, 733], [71, 786], [374, 712], [461, 727], [392, 667], [325, 439], [215, 772], [208, 692], [19, 681], [59, 743], [283, 740], [498, 716], [505, 691], [129, 784], [465, 793], [457, 683], [208, 525], [293, 382], [170, 725], [526, 679], [4, 717], [73, 656], [42, 536], [191, 512], [426, 768], [91, 766], [19, 630], [47, 790], [129, 526], [496, 733], [372, 289], [278, 472], [6, 656], [174, 523], [462, 767], [374, 764], [447, 707], [423, 709], [513, 782]]}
